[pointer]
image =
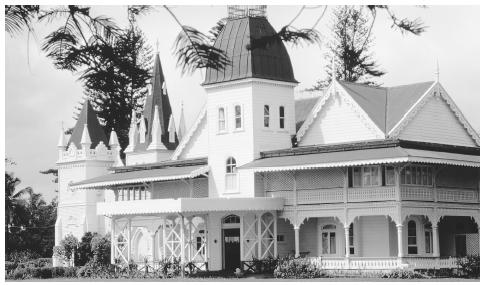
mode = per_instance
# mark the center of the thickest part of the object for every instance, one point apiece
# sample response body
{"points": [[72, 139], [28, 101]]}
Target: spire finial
{"points": [[156, 143], [437, 70], [61, 143], [86, 139]]}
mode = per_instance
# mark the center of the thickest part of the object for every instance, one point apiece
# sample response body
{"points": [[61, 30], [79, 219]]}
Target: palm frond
{"points": [[19, 17]]}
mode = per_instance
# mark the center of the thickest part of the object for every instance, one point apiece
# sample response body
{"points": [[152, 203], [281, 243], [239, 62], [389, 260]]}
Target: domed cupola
{"points": [[253, 48]]}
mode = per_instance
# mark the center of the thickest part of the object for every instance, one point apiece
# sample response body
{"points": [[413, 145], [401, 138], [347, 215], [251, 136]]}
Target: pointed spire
{"points": [[437, 70], [182, 124], [116, 148], [86, 138], [142, 130], [156, 132], [88, 117], [113, 140], [132, 133], [61, 143], [172, 129]]}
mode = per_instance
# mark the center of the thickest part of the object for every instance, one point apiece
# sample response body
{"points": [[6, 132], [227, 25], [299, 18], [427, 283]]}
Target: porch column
{"points": [[190, 238], [113, 240], [164, 237], [242, 239], [347, 243], [275, 233], [400, 248], [435, 240], [153, 249], [297, 246], [128, 241], [259, 226], [183, 241]]}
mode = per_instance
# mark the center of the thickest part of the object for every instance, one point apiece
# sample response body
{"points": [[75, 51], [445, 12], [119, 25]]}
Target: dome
{"points": [[240, 40]]}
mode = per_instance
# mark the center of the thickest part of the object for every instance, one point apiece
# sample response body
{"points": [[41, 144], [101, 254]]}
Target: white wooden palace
{"points": [[351, 177]]}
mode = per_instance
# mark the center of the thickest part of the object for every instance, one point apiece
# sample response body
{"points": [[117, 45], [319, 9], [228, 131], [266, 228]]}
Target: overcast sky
{"points": [[39, 97]]}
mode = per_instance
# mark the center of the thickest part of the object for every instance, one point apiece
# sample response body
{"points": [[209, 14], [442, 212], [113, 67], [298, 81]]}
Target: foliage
{"points": [[470, 265], [70, 244], [83, 252], [95, 270], [21, 256], [170, 268], [101, 249], [401, 274], [299, 268], [19, 17], [349, 49]]}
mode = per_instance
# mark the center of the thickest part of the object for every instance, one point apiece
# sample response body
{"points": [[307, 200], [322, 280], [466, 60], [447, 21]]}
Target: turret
{"points": [[115, 148]]}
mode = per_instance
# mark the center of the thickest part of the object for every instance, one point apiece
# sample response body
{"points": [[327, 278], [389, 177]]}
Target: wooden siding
{"points": [[198, 143], [337, 122], [435, 122]]}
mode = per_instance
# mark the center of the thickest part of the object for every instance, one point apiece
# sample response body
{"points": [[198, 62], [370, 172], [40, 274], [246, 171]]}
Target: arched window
{"points": [[412, 238], [231, 175], [230, 165], [329, 239]]}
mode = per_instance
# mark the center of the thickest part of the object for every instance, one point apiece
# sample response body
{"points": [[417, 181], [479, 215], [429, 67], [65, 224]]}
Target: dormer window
{"points": [[231, 175], [221, 120], [266, 116], [238, 117], [281, 112]]}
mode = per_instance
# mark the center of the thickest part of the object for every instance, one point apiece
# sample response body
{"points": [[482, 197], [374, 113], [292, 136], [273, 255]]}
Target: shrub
{"points": [[470, 266], [401, 274], [83, 252], [301, 268], [170, 268], [95, 270], [10, 266], [20, 256], [101, 249], [70, 244]]}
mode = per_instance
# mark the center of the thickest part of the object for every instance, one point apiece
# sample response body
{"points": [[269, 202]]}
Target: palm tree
{"points": [[15, 204], [19, 17]]}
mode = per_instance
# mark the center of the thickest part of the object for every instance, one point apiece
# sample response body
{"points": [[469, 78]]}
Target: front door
{"points": [[460, 245], [231, 248]]}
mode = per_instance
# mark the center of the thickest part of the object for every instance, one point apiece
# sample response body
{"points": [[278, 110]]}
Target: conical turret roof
{"points": [[88, 117]]}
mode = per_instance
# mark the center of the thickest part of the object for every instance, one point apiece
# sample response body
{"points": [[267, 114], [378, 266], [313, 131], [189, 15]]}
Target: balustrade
{"points": [[382, 263], [371, 194]]}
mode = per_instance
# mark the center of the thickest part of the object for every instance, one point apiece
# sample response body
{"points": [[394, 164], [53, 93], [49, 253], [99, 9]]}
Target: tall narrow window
{"points": [[221, 120], [390, 175], [351, 239], [231, 175], [238, 117], [329, 239], [281, 112], [266, 116], [412, 238], [428, 238], [366, 176]]}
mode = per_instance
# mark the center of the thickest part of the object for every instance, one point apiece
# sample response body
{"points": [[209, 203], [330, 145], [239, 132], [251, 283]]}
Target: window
{"points": [[412, 238], [390, 175], [351, 239], [329, 239], [221, 120], [238, 117], [417, 175], [281, 112], [231, 219], [428, 238], [266, 116], [231, 175], [366, 176]]}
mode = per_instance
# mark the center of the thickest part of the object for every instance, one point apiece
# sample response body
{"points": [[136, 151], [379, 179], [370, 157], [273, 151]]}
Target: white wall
{"points": [[337, 122], [435, 122], [373, 236]]}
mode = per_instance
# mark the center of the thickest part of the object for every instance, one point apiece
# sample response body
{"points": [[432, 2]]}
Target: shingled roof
{"points": [[159, 96], [96, 132], [240, 40]]}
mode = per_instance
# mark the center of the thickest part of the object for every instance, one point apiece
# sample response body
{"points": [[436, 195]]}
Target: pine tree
{"points": [[350, 48]]}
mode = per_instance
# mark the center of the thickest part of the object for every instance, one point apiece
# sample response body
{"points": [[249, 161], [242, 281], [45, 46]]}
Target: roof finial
{"points": [[437, 70], [157, 45], [333, 69]]}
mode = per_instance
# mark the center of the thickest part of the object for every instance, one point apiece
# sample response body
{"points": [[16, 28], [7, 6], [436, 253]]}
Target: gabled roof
{"points": [[302, 109], [240, 40], [159, 97], [96, 132]]}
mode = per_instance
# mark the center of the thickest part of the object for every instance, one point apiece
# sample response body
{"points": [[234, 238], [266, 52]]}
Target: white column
{"points": [[206, 239], [190, 238], [113, 240], [164, 237], [297, 245], [183, 241], [347, 243], [259, 225], [275, 235], [153, 250], [435, 240], [242, 238], [128, 240], [400, 249]]}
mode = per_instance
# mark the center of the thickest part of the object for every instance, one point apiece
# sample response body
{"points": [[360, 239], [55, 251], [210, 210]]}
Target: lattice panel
{"points": [[417, 193], [473, 244], [171, 190], [371, 194], [268, 236], [319, 179], [320, 196], [450, 195], [250, 237], [200, 188], [279, 181]]}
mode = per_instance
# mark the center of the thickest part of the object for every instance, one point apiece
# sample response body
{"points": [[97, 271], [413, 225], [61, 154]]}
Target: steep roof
{"points": [[302, 109], [159, 96], [240, 40], [386, 105], [96, 133]]}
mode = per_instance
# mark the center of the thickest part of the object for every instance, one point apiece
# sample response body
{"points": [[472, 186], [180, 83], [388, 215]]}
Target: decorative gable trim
{"points": [[187, 138], [434, 90], [333, 88]]}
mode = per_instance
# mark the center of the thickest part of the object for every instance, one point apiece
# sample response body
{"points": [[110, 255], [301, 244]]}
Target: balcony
{"points": [[448, 195]]}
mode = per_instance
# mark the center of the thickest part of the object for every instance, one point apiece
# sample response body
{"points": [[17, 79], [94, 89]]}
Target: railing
{"points": [[371, 194], [383, 263], [417, 193], [458, 195], [319, 196]]}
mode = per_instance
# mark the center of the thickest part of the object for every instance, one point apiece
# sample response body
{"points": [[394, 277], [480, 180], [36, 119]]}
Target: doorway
{"points": [[460, 245], [231, 248]]}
